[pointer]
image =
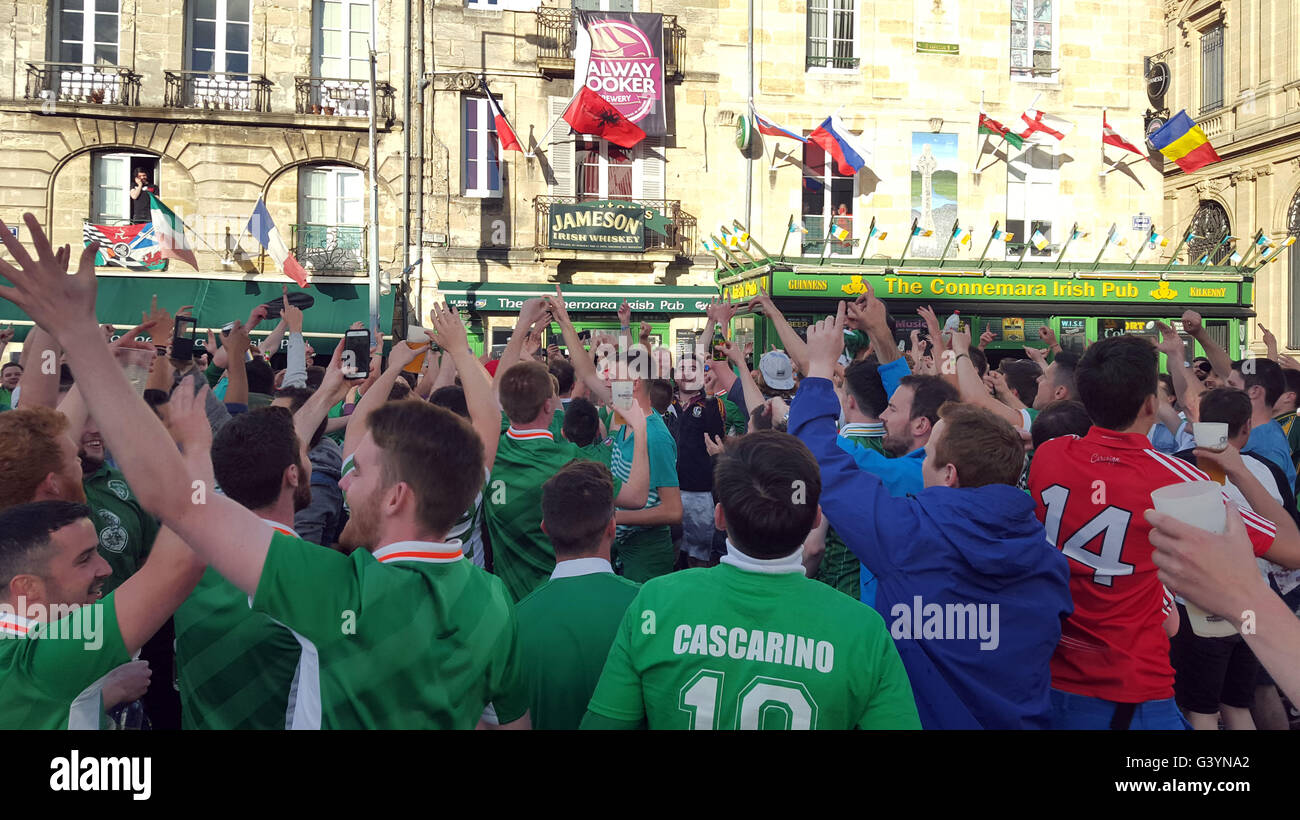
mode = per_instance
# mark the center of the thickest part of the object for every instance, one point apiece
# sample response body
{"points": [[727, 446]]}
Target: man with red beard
{"points": [[237, 667]]}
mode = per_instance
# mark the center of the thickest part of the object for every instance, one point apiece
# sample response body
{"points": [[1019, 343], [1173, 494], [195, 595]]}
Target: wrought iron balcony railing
{"points": [[555, 42], [330, 248], [217, 91], [78, 83], [681, 227], [342, 98], [825, 61]]}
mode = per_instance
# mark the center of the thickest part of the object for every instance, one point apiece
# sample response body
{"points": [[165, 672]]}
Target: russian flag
{"points": [[833, 136], [268, 236], [771, 129]]}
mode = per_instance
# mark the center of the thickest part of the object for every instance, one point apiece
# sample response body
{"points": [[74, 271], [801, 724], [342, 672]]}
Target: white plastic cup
{"points": [[1211, 435], [1201, 504]]}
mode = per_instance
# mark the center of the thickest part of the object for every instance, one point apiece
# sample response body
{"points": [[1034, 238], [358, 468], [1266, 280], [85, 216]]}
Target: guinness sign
{"points": [[1157, 83]]}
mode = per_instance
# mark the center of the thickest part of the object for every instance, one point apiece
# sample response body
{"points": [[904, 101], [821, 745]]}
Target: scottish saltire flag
{"points": [[962, 236], [771, 129], [833, 136], [839, 233], [263, 229], [170, 231], [133, 247], [1039, 240]]}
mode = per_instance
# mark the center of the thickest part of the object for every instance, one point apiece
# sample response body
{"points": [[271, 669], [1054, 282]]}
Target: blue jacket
{"points": [[935, 555]]}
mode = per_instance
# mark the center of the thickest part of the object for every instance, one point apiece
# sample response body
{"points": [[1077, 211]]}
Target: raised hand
{"points": [[237, 341], [448, 332], [187, 418], [1047, 335], [1270, 341], [624, 314], [1170, 343], [42, 287], [825, 343], [403, 354], [157, 323], [292, 315], [986, 338], [960, 340], [931, 322], [1191, 322]]}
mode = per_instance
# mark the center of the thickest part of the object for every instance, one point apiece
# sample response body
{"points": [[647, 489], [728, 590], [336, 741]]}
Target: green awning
{"points": [[219, 301], [504, 297]]}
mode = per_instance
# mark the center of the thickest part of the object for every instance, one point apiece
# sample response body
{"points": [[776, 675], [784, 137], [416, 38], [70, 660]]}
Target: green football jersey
{"points": [[522, 555], [411, 637], [236, 667], [840, 568], [565, 629], [737, 423], [662, 450], [126, 531], [733, 648], [46, 668]]}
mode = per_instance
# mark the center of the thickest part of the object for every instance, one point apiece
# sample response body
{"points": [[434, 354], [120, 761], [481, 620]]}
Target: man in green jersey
{"points": [[409, 634], [126, 531], [568, 623], [752, 643], [528, 452], [69, 647], [863, 400], [644, 547], [237, 667]]}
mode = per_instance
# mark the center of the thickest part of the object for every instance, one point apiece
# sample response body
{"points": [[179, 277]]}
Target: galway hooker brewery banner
{"points": [[627, 65]]}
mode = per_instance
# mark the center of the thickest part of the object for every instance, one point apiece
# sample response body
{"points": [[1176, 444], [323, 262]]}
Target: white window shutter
{"points": [[650, 168], [560, 151]]}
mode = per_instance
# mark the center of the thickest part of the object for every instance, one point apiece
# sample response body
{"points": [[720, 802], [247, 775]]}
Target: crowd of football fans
{"points": [[608, 534]]}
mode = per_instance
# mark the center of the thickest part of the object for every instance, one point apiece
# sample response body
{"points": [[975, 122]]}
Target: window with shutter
{"points": [[560, 152], [650, 168]]}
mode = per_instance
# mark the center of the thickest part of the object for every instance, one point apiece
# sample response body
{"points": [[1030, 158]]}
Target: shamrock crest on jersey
{"points": [[119, 488], [113, 536]]}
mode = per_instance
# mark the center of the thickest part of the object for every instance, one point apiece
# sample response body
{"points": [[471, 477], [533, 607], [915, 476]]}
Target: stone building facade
{"points": [[1234, 66]]}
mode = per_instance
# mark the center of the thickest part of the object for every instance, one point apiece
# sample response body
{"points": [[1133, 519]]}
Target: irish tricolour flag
{"points": [[170, 233]]}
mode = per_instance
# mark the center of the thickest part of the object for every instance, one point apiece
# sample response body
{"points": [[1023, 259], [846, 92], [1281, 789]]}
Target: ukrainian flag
{"points": [[1182, 141]]}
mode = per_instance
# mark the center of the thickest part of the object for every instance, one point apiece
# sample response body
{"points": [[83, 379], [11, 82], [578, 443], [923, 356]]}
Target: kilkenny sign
{"points": [[597, 226]]}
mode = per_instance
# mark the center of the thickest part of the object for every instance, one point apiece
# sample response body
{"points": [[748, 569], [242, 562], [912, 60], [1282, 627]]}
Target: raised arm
{"points": [[634, 493], [332, 389], [753, 396], [969, 382], [583, 368], [228, 536], [39, 384], [295, 366], [237, 344], [870, 314], [1218, 357], [530, 313], [1188, 391], [484, 413], [376, 396], [794, 346]]}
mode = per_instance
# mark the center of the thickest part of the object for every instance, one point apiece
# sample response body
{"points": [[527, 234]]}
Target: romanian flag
{"points": [[1183, 142]]}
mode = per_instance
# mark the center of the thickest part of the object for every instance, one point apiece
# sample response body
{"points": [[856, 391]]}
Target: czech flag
{"points": [[1182, 141], [771, 129], [833, 136], [268, 236]]}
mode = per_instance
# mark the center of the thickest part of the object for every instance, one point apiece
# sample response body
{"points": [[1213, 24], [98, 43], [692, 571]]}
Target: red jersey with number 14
{"points": [[1091, 494]]}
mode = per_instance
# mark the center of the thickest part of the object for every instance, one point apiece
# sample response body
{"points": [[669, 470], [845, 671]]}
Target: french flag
{"points": [[771, 129], [833, 136], [263, 229]]}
